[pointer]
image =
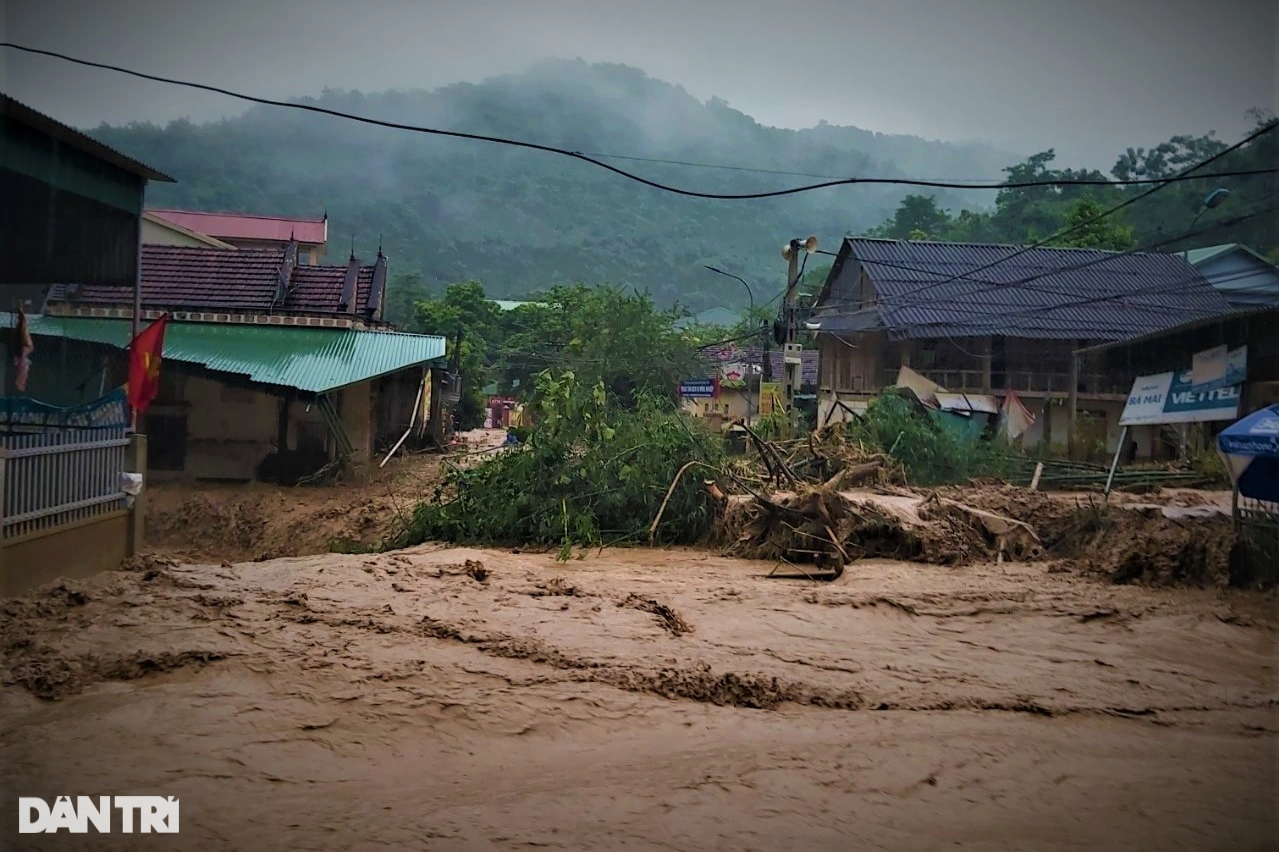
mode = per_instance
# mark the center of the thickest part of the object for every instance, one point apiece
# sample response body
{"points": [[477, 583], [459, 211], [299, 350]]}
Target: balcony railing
{"points": [[1021, 381]]}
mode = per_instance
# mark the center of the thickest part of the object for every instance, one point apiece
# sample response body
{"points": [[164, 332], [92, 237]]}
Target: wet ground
{"points": [[643, 699]]}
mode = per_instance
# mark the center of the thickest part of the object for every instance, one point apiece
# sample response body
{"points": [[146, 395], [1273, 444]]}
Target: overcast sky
{"points": [[1089, 77]]}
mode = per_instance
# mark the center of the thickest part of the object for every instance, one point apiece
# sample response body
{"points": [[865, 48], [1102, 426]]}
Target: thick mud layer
{"points": [[649, 700], [1189, 541]]}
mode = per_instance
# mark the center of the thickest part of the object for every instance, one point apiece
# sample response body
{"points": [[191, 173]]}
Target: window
{"points": [[928, 355]]}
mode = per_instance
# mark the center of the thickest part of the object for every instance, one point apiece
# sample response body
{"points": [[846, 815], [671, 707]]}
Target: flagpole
{"points": [[137, 310]]}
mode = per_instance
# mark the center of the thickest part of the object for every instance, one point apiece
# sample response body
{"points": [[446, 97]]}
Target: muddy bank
{"points": [[257, 521], [470, 699]]}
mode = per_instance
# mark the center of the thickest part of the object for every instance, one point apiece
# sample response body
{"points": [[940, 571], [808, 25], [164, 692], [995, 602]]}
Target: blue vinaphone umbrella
{"points": [[1250, 448]]}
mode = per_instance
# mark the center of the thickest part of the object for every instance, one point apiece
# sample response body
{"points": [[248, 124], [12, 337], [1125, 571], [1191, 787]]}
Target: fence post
{"points": [[136, 462], [4, 499]]}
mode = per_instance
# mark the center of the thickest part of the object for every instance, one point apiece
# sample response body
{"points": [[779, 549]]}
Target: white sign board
{"points": [[1218, 367], [1209, 365], [1173, 398]]}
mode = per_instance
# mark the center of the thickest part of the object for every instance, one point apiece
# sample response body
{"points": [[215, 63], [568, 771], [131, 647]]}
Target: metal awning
{"points": [[308, 359]]}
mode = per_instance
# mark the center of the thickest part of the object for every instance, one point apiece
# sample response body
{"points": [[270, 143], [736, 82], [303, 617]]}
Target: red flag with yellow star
{"points": [[144, 365]]}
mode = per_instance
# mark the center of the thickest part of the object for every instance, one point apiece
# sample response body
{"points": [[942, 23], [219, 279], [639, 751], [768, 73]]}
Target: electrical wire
{"points": [[1110, 211], [762, 171], [905, 300], [986, 323], [577, 155], [1187, 283]]}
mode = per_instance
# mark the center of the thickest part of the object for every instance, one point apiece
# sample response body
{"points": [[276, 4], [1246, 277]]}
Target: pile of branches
{"points": [[813, 526], [827, 457]]}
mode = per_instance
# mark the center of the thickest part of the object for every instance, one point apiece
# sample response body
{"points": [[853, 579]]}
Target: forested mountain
{"points": [[520, 220], [449, 210]]}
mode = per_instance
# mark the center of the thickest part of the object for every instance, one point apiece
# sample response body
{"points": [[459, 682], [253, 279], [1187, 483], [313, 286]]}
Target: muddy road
{"points": [[484, 700]]}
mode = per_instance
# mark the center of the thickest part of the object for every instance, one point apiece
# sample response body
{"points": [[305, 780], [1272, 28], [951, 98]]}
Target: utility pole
{"points": [[792, 359]]}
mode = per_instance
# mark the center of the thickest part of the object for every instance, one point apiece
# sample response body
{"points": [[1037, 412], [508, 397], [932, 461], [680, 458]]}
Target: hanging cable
{"points": [[577, 155]]}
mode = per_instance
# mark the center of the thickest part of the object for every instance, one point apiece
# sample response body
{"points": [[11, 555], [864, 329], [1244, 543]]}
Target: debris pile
{"points": [[1145, 545], [824, 528], [827, 457]]}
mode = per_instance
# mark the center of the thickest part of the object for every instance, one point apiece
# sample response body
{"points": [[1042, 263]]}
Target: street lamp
{"points": [[1211, 200], [750, 294], [763, 352]]}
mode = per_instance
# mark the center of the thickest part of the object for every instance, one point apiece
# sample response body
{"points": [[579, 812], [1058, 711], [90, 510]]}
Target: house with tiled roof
{"points": [[997, 321], [167, 226], [742, 375], [272, 369]]}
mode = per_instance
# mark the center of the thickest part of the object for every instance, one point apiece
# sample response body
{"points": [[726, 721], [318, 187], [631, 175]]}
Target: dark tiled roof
{"points": [[319, 288], [1075, 294], [55, 129], [212, 279]]}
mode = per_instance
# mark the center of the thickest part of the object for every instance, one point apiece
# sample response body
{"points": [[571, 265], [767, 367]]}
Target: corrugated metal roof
{"points": [[247, 226], [1075, 294], [49, 126], [316, 360], [1237, 314], [1199, 255]]}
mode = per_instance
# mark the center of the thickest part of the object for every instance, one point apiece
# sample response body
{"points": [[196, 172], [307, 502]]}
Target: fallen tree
{"points": [[591, 473]]}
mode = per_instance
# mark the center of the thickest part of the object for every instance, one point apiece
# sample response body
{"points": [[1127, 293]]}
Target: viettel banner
{"points": [[1173, 398]]}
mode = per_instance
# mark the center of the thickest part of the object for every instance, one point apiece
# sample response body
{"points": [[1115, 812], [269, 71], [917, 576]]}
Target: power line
{"points": [[985, 322], [906, 300], [577, 155], [1110, 211], [940, 182], [1181, 285]]}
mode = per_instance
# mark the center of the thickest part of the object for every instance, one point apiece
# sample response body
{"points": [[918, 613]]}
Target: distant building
{"points": [[164, 226], [1243, 276], [740, 371], [161, 232], [973, 319]]}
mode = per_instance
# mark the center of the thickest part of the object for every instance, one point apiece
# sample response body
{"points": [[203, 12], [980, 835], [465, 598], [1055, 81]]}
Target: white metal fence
{"points": [[50, 478]]}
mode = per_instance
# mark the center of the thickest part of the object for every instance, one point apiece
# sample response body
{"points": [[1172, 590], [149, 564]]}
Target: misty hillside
{"points": [[519, 220]]}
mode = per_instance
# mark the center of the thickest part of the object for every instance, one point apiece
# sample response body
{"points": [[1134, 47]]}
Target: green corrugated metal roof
{"points": [[316, 360]]}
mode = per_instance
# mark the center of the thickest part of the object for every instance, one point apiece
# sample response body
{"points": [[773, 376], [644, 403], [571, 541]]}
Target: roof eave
{"points": [[438, 361], [1174, 329], [66, 133]]}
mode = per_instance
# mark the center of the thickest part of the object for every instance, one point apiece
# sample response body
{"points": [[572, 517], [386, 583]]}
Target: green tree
{"points": [[601, 334], [464, 313], [1108, 233], [404, 291], [918, 217]]}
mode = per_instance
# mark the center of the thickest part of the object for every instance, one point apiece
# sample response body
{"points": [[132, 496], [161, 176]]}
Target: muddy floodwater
{"points": [[644, 700]]}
